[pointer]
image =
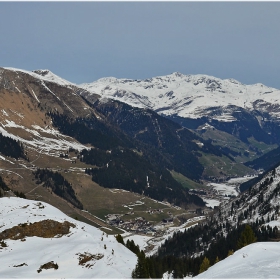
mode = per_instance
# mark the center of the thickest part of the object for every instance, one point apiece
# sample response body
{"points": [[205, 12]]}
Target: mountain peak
{"points": [[45, 75], [51, 77], [177, 74], [42, 72]]}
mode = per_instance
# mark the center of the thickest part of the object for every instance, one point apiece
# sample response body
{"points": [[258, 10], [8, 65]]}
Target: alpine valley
{"points": [[121, 178]]}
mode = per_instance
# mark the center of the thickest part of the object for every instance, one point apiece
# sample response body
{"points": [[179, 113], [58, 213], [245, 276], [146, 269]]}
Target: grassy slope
{"points": [[98, 201], [222, 166], [186, 182]]}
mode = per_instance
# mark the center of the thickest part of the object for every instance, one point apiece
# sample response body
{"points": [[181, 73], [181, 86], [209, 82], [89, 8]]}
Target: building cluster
{"points": [[154, 211], [137, 225]]}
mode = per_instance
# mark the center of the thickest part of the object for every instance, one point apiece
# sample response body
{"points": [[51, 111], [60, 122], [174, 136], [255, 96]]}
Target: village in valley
{"points": [[150, 226]]}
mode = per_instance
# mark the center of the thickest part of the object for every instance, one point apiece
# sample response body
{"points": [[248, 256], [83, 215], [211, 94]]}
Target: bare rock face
{"points": [[46, 229], [48, 265]]}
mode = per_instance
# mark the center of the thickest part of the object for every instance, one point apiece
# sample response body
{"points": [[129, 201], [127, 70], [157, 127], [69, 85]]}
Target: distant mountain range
{"points": [[190, 96], [249, 113]]}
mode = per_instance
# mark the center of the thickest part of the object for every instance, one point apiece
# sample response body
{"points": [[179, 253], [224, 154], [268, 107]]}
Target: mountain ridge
{"points": [[184, 93]]}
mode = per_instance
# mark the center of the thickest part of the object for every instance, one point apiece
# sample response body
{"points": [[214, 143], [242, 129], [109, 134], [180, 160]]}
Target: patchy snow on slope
{"points": [[56, 141], [4, 113], [256, 261], [3, 158], [23, 258]]}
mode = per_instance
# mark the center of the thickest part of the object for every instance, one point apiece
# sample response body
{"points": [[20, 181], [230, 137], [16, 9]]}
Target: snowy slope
{"points": [[45, 75], [189, 96], [22, 258], [258, 260]]}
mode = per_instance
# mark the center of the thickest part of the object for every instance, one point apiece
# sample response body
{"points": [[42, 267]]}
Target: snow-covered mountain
{"points": [[39, 241], [44, 75], [189, 96]]}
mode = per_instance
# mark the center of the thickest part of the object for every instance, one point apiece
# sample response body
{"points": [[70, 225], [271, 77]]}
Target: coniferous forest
{"points": [[11, 148], [125, 169], [3, 186]]}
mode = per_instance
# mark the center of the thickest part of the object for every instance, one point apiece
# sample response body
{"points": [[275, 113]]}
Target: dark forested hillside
{"points": [[11, 148], [91, 131], [129, 160], [267, 161], [127, 169], [178, 145]]}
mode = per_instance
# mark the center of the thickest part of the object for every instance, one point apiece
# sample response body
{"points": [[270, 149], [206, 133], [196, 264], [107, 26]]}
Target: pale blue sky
{"points": [[82, 42]]}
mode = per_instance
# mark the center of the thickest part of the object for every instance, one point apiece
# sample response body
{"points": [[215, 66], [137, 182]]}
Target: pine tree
{"points": [[120, 239], [230, 252], [205, 265], [141, 270], [247, 237]]}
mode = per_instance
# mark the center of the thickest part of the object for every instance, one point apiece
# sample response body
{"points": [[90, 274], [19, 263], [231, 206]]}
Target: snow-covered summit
{"points": [[45, 75], [83, 252], [185, 95]]}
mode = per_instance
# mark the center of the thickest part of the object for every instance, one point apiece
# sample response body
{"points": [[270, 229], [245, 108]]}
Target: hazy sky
{"points": [[83, 42]]}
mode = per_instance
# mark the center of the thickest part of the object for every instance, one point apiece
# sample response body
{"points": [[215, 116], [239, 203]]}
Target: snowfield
{"points": [[23, 258], [258, 260]]}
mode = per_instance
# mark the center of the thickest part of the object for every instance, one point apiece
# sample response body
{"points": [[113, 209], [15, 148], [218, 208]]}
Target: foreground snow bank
{"points": [[85, 252], [258, 260]]}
